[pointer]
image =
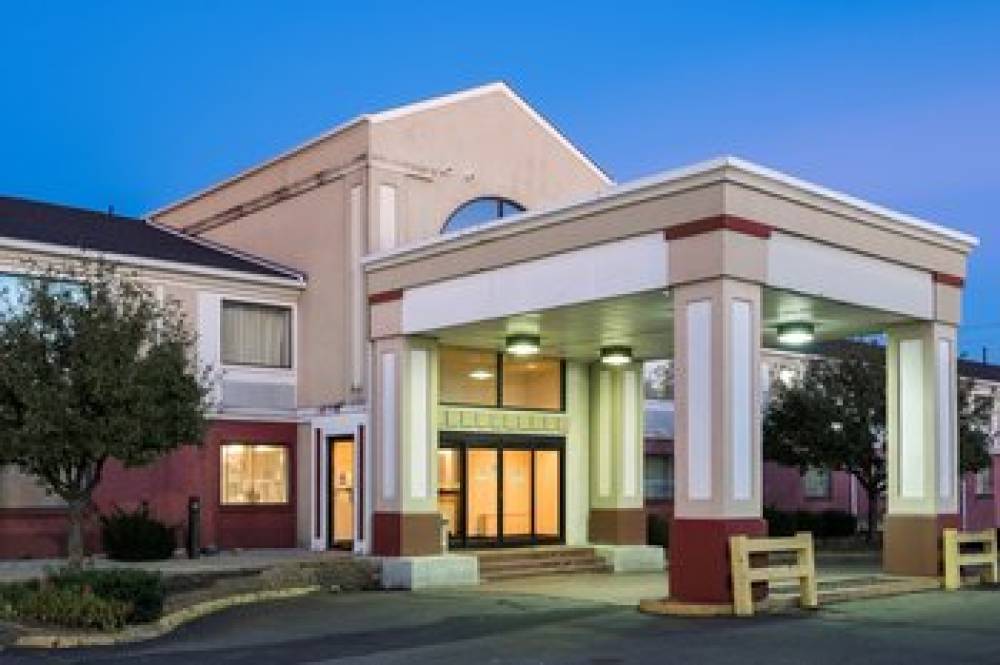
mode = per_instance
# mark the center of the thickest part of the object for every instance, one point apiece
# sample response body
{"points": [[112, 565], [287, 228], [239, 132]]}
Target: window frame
{"points": [[827, 495], [668, 459], [498, 396], [289, 488], [500, 202], [265, 304]]}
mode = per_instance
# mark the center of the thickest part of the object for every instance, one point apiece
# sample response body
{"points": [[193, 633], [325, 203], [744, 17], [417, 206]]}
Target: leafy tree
{"points": [[95, 367], [833, 417]]}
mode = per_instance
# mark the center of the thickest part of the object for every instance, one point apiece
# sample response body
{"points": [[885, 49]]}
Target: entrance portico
{"points": [[704, 265]]}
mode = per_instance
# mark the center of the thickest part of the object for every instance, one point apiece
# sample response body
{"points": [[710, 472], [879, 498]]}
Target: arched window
{"points": [[479, 211]]}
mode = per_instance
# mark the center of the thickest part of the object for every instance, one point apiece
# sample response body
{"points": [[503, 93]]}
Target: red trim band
{"points": [[708, 224], [385, 296], [950, 280]]}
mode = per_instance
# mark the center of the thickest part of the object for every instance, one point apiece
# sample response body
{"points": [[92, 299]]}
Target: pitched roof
{"points": [[104, 233], [390, 114]]}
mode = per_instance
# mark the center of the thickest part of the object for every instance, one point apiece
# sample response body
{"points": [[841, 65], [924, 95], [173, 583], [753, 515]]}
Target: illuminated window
{"points": [[817, 483], [471, 377], [259, 335], [468, 377], [532, 383], [254, 474]]}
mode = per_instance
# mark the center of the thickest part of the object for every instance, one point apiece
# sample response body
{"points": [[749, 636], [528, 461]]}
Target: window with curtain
{"points": [[817, 483], [254, 474], [259, 335]]}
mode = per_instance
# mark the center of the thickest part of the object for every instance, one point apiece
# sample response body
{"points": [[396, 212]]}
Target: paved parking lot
{"points": [[498, 625]]}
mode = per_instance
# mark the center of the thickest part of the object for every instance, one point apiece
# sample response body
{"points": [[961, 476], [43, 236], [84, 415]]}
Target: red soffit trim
{"points": [[950, 280], [708, 224], [385, 296]]}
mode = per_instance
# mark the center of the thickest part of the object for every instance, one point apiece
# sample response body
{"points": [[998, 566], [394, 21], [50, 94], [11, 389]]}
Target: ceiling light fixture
{"points": [[616, 355], [481, 374], [523, 345], [796, 334]]}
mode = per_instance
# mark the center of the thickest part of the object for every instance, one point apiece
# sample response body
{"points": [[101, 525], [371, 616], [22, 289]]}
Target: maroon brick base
{"points": [[406, 534], [699, 558]]}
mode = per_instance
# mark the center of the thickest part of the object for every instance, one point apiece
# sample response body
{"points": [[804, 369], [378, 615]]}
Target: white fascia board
{"points": [[152, 264], [664, 178]]}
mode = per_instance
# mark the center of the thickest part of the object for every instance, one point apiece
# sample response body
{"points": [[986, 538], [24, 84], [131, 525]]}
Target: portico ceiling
{"points": [[644, 321]]}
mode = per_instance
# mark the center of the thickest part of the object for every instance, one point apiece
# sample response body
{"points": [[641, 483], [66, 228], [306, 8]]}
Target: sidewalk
{"points": [[230, 561]]}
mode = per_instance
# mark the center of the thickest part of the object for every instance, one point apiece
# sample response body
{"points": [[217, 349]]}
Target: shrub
{"points": [[136, 536], [779, 522], [826, 524], [837, 524], [657, 530], [141, 591], [72, 607]]}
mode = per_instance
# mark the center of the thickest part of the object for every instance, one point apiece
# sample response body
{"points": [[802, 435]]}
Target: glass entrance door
{"points": [[340, 527], [501, 491]]}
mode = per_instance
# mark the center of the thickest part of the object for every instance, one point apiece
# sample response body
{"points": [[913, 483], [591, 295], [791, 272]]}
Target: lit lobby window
{"points": [[532, 383], [254, 474], [468, 377]]}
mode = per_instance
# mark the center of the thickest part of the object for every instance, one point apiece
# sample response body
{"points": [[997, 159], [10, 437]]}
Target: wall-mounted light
{"points": [[480, 374], [523, 345], [616, 355], [796, 334]]}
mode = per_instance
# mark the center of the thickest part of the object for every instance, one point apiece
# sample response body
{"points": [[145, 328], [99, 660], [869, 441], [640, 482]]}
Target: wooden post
{"points": [[952, 568], [740, 569], [808, 588]]}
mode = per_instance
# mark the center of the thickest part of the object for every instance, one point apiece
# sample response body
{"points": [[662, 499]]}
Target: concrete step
{"points": [[539, 570], [514, 563]]}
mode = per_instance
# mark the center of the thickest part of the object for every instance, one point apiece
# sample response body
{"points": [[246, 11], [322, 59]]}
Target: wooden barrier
{"points": [[804, 570], [955, 559]]}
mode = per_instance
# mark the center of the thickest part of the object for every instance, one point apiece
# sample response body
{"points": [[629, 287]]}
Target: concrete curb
{"points": [[160, 627]]}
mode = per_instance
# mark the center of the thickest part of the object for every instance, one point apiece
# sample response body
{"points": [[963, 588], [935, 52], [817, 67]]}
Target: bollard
{"points": [[194, 528]]}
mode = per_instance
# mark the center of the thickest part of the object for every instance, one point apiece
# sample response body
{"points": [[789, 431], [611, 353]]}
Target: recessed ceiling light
{"points": [[523, 345], [796, 334], [616, 355], [480, 374]]}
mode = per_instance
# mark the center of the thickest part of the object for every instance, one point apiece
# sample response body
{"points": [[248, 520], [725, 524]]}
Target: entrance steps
{"points": [[505, 564]]}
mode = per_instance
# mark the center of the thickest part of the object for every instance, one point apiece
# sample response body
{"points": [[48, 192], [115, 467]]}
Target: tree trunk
{"points": [[872, 515], [74, 544]]}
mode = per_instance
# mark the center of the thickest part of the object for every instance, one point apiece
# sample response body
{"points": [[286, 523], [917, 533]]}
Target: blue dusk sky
{"points": [[138, 103]]}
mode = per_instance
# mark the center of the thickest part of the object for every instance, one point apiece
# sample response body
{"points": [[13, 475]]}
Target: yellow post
{"points": [[808, 589], [952, 567], [990, 576], [739, 562]]}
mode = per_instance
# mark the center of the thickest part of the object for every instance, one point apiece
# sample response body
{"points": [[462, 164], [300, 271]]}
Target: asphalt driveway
{"points": [[497, 626]]}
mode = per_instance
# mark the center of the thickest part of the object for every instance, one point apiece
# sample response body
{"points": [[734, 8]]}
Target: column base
{"points": [[911, 544], [618, 526], [406, 534], [426, 572], [699, 559], [633, 558]]}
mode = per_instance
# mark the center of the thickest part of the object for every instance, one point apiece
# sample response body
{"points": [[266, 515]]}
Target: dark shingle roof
{"points": [[98, 232]]}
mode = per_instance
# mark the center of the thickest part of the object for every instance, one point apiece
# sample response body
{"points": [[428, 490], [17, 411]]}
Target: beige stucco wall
{"points": [[436, 159], [483, 146]]}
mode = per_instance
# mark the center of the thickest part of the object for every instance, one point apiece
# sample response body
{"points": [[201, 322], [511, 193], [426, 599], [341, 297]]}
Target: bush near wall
{"points": [[105, 599], [825, 524], [136, 536]]}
